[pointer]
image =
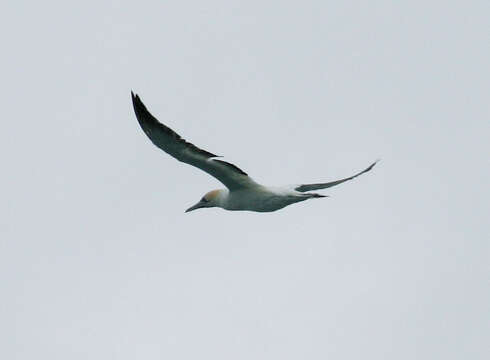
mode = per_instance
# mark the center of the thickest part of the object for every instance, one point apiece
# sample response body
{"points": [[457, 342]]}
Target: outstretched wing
{"points": [[173, 144], [309, 187]]}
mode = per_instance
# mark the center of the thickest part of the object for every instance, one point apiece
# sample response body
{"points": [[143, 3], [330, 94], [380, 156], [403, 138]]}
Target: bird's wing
{"points": [[171, 142], [309, 187]]}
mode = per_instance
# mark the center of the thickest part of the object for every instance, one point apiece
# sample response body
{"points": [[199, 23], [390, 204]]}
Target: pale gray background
{"points": [[98, 259]]}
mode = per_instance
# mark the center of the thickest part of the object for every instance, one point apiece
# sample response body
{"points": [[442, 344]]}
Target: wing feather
{"points": [[309, 187], [174, 145]]}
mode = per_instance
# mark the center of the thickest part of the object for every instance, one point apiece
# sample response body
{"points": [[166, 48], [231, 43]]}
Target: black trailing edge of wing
{"points": [[234, 167]]}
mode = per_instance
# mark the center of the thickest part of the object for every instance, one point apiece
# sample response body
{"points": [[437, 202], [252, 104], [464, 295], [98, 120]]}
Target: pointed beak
{"points": [[199, 205]]}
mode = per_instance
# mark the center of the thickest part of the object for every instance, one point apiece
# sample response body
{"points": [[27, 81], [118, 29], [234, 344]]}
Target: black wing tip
{"points": [[137, 101], [372, 165], [142, 113], [365, 170]]}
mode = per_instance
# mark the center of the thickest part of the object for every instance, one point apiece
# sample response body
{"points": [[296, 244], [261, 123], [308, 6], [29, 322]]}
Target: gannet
{"points": [[242, 192]]}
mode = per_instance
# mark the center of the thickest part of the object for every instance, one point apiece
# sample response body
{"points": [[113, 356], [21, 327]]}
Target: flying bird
{"points": [[242, 192]]}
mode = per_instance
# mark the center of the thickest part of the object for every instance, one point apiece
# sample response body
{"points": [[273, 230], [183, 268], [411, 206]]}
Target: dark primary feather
{"points": [[151, 126], [174, 145], [309, 187]]}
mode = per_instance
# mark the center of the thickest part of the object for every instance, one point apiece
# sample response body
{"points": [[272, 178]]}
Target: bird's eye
{"points": [[204, 199]]}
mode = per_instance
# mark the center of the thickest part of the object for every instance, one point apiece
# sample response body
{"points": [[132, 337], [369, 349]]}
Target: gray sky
{"points": [[98, 259]]}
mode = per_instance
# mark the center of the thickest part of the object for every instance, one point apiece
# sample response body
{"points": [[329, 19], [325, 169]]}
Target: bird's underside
{"points": [[242, 192]]}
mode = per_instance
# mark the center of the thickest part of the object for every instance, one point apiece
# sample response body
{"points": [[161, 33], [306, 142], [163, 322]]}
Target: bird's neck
{"points": [[221, 198]]}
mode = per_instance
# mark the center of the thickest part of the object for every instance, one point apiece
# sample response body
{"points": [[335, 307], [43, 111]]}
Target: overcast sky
{"points": [[98, 259]]}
